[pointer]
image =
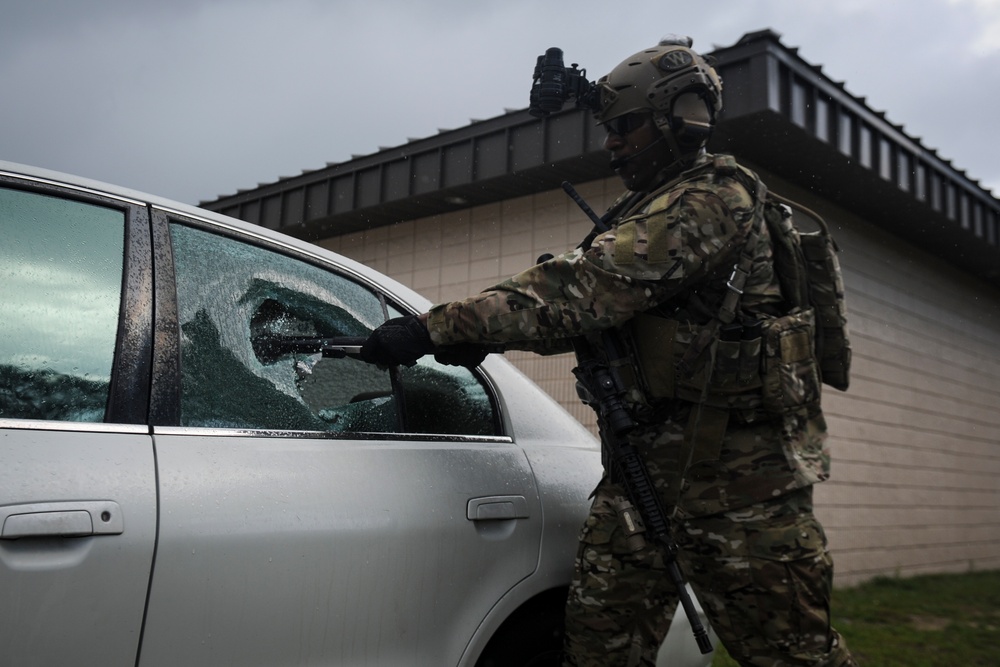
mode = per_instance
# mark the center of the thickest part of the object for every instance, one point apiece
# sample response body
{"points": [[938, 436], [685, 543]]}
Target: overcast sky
{"points": [[193, 99]]}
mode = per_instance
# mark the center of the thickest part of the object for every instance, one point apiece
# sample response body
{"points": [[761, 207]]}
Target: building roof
{"points": [[781, 113]]}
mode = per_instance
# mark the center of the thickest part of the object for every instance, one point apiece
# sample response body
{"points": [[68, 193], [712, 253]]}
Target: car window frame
{"points": [[128, 394], [165, 397]]}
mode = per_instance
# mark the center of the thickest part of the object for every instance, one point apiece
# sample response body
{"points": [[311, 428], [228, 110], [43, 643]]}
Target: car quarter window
{"points": [[246, 314], [60, 289], [446, 399]]}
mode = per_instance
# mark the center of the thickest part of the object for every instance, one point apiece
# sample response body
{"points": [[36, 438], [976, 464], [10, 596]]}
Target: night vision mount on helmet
{"points": [[675, 84]]}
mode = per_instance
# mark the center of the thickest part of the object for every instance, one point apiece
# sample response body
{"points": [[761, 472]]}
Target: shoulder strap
{"points": [[741, 269]]}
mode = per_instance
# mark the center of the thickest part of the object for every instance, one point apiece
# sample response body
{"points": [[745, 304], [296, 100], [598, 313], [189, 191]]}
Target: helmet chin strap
{"points": [[621, 162]]}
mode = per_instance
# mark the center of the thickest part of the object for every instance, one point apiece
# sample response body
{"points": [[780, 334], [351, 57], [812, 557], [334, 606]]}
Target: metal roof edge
{"points": [[782, 113]]}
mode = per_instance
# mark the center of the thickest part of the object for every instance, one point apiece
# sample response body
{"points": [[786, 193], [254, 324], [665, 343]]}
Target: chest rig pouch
{"points": [[760, 369], [730, 368]]}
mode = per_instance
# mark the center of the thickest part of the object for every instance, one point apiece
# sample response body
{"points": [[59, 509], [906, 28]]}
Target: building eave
{"points": [[781, 113]]}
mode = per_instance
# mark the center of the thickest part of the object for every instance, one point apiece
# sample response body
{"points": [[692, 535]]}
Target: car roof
{"points": [[402, 293]]}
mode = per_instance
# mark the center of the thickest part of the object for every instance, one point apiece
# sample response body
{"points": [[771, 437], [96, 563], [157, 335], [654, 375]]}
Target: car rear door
{"points": [[77, 478], [318, 510]]}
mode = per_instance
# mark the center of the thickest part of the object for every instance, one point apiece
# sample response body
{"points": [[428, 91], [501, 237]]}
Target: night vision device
{"points": [[554, 83]]}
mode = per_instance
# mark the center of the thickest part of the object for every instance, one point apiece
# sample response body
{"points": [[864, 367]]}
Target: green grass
{"points": [[928, 621]]}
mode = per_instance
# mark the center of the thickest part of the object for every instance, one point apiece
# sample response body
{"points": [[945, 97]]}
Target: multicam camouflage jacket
{"points": [[657, 278], [670, 253]]}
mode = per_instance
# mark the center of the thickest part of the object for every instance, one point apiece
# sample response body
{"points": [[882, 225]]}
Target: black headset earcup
{"points": [[691, 121]]}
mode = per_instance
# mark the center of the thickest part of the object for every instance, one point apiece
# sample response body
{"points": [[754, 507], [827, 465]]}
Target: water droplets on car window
{"points": [[231, 295], [60, 286]]}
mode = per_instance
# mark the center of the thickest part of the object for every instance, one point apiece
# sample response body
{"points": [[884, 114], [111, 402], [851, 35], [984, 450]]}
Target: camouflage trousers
{"points": [[762, 574]]}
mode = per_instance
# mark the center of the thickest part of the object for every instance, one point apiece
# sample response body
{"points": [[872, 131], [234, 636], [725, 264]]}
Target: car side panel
{"points": [[74, 600], [295, 551]]}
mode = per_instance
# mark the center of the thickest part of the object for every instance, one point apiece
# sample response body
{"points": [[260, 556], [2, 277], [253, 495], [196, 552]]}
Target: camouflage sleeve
{"points": [[684, 236], [561, 298]]}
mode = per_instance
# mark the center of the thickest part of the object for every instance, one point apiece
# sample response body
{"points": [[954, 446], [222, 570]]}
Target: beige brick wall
{"points": [[916, 439]]}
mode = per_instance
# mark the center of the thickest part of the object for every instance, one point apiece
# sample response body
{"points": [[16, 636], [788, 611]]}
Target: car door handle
{"points": [[497, 508], [62, 519]]}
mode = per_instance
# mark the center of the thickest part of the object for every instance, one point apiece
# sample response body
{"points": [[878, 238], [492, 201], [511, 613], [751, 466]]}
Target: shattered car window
{"points": [[243, 311], [238, 304]]}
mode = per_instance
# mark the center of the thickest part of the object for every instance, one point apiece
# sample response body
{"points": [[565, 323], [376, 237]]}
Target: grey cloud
{"points": [[195, 99]]}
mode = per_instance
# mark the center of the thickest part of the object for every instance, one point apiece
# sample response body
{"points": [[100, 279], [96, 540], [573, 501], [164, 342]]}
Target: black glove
{"points": [[401, 340], [469, 355]]}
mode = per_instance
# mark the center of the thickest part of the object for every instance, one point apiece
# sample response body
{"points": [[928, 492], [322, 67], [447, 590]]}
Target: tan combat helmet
{"points": [[670, 80]]}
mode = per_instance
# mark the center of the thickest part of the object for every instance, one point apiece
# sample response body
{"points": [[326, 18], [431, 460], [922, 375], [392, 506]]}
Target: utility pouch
{"points": [[750, 344], [826, 295], [654, 339], [660, 344], [727, 356], [790, 373]]}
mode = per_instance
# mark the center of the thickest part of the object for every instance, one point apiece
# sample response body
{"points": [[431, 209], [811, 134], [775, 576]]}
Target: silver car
{"points": [[195, 468]]}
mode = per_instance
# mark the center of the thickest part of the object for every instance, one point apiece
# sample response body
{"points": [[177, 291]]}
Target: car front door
{"points": [[77, 478], [317, 509]]}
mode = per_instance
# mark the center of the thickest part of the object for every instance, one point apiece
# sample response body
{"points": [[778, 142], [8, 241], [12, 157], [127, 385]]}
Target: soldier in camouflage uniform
{"points": [[733, 465]]}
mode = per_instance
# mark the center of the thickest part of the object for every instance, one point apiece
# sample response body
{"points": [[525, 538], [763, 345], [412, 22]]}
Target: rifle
{"points": [[643, 513]]}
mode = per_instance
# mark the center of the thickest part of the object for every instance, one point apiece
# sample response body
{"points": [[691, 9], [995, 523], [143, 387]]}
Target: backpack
{"points": [[810, 277], [795, 353]]}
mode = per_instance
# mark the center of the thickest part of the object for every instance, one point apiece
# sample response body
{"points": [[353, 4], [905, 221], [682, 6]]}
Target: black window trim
{"points": [[165, 393], [165, 429], [128, 401]]}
